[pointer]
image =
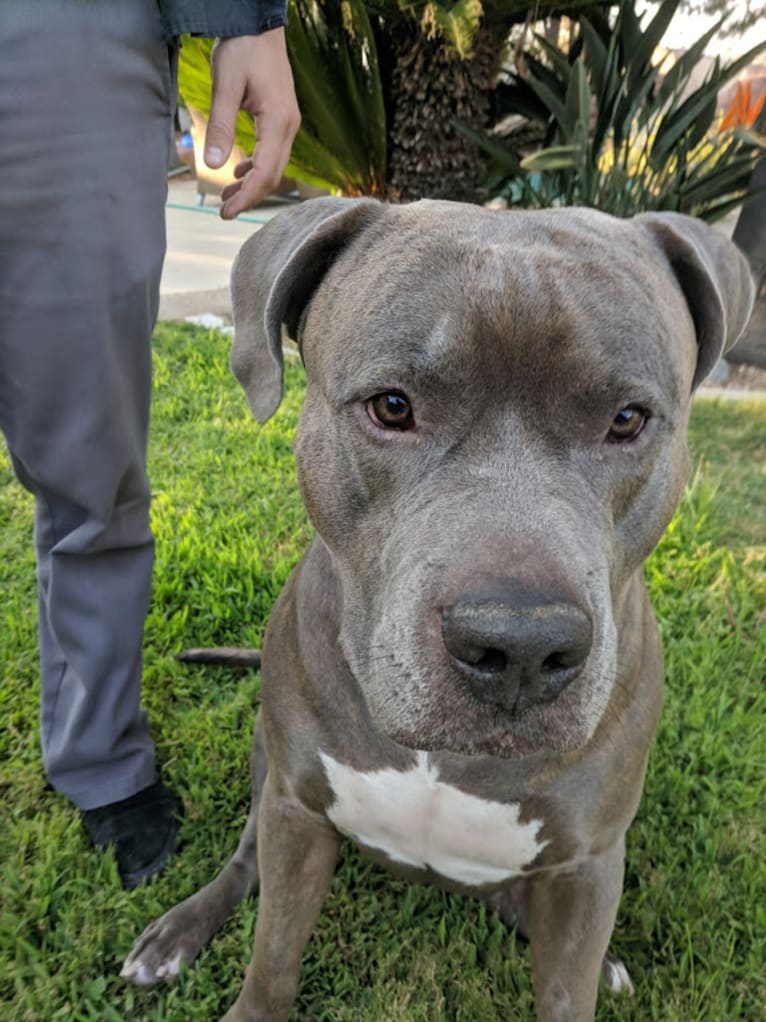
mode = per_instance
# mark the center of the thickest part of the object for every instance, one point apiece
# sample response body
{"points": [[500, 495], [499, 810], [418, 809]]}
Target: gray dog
{"points": [[463, 674]]}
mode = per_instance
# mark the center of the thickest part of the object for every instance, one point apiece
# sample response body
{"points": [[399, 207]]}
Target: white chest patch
{"points": [[417, 820]]}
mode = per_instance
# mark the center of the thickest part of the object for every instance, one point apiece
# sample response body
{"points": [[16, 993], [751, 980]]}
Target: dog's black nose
{"points": [[513, 651]]}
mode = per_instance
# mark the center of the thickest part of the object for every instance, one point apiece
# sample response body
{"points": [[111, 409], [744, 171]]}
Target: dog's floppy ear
{"points": [[714, 277], [273, 278]]}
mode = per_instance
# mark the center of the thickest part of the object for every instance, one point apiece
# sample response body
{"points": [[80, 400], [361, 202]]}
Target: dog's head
{"points": [[493, 439]]}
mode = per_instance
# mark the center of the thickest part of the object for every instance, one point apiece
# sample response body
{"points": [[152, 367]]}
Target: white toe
{"points": [[139, 974], [616, 978], [173, 967]]}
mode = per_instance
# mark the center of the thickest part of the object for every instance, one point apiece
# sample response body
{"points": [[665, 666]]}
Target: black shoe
{"points": [[142, 829]]}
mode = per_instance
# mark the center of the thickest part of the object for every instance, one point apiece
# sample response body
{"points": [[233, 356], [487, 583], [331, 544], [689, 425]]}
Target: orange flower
{"points": [[743, 110]]}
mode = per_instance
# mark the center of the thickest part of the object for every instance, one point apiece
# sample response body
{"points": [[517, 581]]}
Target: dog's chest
{"points": [[417, 820]]}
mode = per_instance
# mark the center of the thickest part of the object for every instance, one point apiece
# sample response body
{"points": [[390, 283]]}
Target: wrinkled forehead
{"points": [[433, 287]]}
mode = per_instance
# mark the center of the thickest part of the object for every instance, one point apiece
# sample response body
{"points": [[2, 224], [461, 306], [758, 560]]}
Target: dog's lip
{"points": [[507, 743]]}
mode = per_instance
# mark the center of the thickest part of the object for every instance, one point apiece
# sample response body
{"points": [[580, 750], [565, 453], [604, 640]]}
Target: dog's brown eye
{"points": [[391, 411], [627, 424]]}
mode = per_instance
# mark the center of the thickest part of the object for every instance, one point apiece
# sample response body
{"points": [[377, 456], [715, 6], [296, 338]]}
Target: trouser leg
{"points": [[86, 96]]}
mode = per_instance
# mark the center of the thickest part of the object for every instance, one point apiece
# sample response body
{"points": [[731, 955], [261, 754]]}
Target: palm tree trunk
{"points": [[430, 87]]}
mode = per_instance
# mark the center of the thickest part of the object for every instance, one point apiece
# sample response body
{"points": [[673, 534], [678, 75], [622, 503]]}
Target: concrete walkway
{"points": [[201, 249]]}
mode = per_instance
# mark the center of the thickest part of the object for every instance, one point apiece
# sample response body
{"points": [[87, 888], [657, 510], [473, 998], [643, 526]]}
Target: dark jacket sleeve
{"points": [[221, 18]]}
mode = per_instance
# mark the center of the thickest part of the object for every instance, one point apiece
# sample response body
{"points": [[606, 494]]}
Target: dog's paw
{"points": [[616, 976], [162, 947]]}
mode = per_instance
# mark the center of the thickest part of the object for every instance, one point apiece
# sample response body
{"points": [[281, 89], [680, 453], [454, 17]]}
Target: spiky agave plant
{"points": [[621, 135]]}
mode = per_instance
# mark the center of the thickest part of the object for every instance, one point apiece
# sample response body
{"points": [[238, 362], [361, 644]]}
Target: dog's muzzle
{"points": [[513, 651]]}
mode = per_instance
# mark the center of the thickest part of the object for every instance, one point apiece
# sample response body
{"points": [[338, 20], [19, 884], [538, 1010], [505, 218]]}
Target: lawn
{"points": [[230, 526]]}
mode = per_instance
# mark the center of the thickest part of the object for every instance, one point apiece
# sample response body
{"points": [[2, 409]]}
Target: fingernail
{"points": [[213, 155]]}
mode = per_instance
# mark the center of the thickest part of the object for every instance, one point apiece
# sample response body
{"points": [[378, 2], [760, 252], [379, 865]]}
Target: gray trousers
{"points": [[86, 100]]}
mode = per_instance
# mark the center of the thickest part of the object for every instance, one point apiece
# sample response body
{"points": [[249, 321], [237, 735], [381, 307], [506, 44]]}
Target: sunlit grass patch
{"points": [[230, 526]]}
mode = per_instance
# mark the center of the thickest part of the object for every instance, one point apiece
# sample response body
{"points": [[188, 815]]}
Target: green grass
{"points": [[229, 527]]}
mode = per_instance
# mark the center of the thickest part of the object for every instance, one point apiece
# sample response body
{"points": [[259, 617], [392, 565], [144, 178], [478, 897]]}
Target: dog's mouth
{"points": [[433, 709], [454, 722], [483, 676], [507, 744], [501, 744]]}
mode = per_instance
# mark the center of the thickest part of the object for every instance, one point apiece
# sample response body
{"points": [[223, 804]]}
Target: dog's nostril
{"points": [[493, 661], [481, 658], [556, 662]]}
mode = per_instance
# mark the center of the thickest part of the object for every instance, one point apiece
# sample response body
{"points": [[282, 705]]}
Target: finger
{"points": [[228, 92], [269, 160], [242, 168], [230, 189], [237, 200], [248, 192]]}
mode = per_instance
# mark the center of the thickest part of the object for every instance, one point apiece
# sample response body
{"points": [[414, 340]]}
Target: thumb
{"points": [[224, 107]]}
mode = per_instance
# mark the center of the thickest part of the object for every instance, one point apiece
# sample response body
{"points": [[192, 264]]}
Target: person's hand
{"points": [[252, 73]]}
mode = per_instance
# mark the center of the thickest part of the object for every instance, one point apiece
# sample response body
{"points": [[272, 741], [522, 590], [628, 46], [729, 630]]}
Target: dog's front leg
{"points": [[571, 918], [297, 855]]}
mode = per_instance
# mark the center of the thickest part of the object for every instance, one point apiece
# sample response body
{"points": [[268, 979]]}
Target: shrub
{"points": [[621, 136]]}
